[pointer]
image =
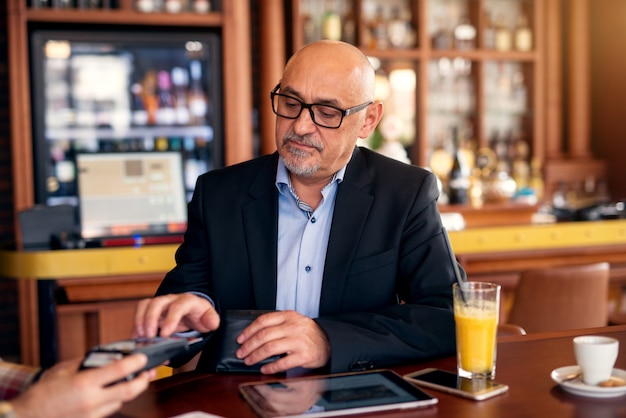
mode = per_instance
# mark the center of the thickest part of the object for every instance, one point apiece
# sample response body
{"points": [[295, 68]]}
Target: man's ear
{"points": [[373, 115]]}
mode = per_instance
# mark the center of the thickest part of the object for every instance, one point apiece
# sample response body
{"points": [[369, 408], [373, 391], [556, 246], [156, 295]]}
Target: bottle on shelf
{"points": [[148, 6], [523, 34], [62, 182], [489, 32], [331, 22], [536, 179], [458, 179], [348, 28], [175, 6], [309, 29], [161, 143], [201, 6], [197, 98], [40, 4], [443, 37], [90, 4], [441, 159], [166, 115], [464, 34], [398, 29], [180, 81], [519, 92], [150, 97], [63, 4], [520, 167], [139, 115], [379, 38], [503, 41]]}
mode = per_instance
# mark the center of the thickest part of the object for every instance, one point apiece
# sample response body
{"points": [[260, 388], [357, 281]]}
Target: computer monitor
{"points": [[131, 194]]}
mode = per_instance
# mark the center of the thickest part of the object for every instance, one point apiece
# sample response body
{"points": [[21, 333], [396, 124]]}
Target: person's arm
{"points": [[15, 378], [65, 392]]}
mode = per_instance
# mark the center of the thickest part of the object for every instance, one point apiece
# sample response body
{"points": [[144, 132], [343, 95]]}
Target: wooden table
{"points": [[524, 363]]}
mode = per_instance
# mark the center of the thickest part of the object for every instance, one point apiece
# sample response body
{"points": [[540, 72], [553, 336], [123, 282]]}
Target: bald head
{"points": [[320, 80], [337, 66]]}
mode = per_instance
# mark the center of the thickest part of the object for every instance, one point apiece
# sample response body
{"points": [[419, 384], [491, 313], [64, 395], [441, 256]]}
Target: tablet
{"points": [[334, 395]]}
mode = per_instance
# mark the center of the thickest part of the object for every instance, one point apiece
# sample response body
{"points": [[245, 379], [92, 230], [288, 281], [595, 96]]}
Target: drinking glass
{"points": [[476, 311]]}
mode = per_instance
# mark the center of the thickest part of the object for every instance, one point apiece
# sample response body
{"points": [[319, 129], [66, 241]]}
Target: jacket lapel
{"points": [[260, 217], [352, 206]]}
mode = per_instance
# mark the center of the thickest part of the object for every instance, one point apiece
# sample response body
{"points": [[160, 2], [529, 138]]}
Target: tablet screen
{"points": [[338, 394]]}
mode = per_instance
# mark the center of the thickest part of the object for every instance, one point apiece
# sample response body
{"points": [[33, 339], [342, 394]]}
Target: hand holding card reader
{"points": [[475, 389], [157, 349]]}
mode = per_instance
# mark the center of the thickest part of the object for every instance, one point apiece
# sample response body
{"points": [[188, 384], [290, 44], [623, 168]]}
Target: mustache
{"points": [[305, 140]]}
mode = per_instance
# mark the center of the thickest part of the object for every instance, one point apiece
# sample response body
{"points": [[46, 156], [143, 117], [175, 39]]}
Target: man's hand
{"points": [[174, 313], [298, 337]]}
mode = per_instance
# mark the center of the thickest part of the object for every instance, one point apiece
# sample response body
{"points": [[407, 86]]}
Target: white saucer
{"points": [[577, 387]]}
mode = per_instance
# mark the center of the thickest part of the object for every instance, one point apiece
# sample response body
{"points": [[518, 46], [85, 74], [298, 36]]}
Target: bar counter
{"points": [[160, 258], [103, 284], [524, 363]]}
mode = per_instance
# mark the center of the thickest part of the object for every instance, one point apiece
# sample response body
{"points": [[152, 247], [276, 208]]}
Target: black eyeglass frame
{"points": [[303, 105]]}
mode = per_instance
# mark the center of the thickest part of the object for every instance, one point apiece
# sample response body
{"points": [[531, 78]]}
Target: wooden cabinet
{"points": [[488, 93], [435, 83], [230, 18]]}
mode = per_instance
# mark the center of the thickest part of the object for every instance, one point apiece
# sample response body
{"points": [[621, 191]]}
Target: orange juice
{"points": [[476, 337]]}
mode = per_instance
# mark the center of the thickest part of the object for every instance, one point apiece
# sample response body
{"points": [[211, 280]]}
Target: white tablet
{"points": [[334, 395]]}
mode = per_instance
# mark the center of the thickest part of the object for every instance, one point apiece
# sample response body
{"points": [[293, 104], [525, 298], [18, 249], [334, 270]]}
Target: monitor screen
{"points": [[131, 194]]}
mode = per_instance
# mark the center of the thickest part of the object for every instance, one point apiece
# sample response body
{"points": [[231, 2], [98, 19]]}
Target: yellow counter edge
{"points": [[537, 237], [160, 258], [90, 262]]}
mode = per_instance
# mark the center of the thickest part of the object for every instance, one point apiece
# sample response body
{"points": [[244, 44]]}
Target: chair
{"points": [[553, 299], [510, 329]]}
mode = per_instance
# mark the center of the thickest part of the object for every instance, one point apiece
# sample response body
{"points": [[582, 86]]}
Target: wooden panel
{"points": [[273, 58], [579, 80], [493, 215], [72, 332], [608, 89], [237, 72], [116, 320], [108, 288], [29, 322], [84, 325]]}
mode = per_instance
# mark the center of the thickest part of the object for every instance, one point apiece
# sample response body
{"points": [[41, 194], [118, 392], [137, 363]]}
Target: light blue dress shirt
{"points": [[302, 243]]}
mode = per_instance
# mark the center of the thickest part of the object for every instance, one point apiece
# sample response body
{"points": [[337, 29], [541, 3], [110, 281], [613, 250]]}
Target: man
{"points": [[64, 392], [346, 244]]}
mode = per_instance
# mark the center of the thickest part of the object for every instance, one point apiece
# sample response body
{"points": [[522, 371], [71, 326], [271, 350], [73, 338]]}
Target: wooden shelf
{"points": [[125, 17], [491, 215]]}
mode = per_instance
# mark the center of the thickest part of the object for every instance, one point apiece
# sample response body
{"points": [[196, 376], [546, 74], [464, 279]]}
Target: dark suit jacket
{"points": [[386, 293]]}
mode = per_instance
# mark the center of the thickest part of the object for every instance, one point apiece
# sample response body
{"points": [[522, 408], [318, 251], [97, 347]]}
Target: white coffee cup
{"points": [[596, 357]]}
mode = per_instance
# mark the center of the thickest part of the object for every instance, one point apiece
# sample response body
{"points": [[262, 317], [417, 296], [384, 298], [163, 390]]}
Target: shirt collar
{"points": [[282, 175]]}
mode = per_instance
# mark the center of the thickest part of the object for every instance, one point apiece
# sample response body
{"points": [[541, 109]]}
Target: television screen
{"points": [[131, 194], [98, 92]]}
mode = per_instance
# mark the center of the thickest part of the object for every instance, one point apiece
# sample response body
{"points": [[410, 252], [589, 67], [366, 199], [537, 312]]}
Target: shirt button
{"points": [[313, 220], [307, 269]]}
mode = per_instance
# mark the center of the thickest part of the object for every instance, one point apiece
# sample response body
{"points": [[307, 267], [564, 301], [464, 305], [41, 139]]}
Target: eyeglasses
{"points": [[322, 115]]}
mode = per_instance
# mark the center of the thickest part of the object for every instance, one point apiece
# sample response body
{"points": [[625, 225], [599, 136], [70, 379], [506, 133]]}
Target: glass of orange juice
{"points": [[476, 311]]}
